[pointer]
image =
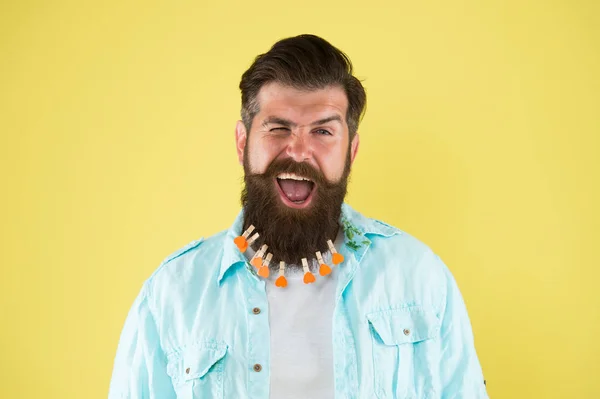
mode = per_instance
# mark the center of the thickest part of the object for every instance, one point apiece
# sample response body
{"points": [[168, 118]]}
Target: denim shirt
{"points": [[400, 326]]}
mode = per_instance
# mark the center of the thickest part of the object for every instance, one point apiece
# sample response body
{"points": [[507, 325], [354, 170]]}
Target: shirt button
{"points": [[257, 367], [256, 310], [187, 371], [406, 331]]}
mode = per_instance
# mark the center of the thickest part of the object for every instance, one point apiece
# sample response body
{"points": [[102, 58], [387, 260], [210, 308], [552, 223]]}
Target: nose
{"points": [[299, 148]]}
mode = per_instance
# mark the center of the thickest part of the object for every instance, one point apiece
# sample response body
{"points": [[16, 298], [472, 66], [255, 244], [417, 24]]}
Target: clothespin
{"points": [[324, 270], [281, 280], [256, 260], [243, 242], [263, 271], [308, 276], [336, 257]]}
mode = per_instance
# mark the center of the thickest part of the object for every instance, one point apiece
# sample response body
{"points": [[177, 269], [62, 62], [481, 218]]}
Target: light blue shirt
{"points": [[199, 327]]}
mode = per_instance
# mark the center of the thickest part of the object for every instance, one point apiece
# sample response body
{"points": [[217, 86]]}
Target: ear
{"points": [[240, 140], [354, 147]]}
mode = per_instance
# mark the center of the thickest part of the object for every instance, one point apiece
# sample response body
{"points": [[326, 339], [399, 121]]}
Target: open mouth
{"points": [[295, 191]]}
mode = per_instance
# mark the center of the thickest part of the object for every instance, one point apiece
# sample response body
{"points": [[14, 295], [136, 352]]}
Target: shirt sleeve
{"points": [[461, 375], [140, 365]]}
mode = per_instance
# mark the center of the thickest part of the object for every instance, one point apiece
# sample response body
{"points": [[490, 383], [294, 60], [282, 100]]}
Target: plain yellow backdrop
{"points": [[481, 139]]}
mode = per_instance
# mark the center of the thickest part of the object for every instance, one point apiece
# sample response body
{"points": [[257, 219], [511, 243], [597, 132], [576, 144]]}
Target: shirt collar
{"points": [[356, 228]]}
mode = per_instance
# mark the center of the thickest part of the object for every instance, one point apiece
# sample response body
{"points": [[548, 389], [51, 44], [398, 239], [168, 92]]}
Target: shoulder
{"points": [[403, 270], [407, 255], [395, 241], [387, 243], [196, 260]]}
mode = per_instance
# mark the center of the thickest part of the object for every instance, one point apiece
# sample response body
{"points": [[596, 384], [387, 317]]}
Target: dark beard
{"points": [[292, 234]]}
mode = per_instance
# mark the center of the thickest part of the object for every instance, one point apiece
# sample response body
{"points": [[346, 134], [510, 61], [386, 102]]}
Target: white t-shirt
{"points": [[300, 317]]}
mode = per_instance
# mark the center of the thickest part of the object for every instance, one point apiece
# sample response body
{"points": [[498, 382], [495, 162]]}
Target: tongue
{"points": [[296, 190]]}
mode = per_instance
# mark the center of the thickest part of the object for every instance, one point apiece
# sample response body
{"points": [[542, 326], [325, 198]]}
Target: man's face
{"points": [[296, 159], [303, 126]]}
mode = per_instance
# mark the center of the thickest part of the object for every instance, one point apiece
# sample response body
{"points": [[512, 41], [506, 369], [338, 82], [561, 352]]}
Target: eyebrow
{"points": [[288, 123], [275, 120], [328, 119]]}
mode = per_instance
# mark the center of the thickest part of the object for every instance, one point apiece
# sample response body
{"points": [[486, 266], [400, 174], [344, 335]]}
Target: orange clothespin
{"points": [[336, 257], [242, 242], [308, 276], [257, 258], [324, 270], [281, 280], [263, 271]]}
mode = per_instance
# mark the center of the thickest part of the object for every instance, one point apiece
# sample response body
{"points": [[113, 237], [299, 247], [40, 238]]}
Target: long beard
{"points": [[293, 234]]}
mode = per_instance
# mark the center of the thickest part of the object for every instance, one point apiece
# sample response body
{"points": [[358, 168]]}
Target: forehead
{"points": [[301, 106]]}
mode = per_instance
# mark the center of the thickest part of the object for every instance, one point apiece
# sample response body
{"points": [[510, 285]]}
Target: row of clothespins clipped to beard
{"points": [[261, 259]]}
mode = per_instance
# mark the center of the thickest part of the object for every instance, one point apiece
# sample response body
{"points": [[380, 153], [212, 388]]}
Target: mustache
{"points": [[279, 166]]}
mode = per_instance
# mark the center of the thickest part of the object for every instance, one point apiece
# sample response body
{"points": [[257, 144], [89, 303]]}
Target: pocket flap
{"points": [[197, 362], [406, 325]]}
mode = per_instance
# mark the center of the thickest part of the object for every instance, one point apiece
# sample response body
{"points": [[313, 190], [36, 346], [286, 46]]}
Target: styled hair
{"points": [[304, 62]]}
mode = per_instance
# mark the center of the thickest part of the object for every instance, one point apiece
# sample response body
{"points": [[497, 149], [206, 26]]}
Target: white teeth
{"points": [[291, 176]]}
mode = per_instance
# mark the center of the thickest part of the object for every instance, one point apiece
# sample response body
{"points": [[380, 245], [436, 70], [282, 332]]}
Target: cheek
{"points": [[332, 165], [259, 157], [255, 164]]}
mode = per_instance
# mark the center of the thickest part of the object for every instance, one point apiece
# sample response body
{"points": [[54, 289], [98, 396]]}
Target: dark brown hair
{"points": [[305, 62]]}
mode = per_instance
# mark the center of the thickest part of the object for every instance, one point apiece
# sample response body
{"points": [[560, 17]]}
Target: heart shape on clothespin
{"points": [[337, 258], [281, 282], [324, 270], [309, 278]]}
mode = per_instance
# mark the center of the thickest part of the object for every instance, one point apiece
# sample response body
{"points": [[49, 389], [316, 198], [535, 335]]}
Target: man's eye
{"points": [[323, 132], [279, 129]]}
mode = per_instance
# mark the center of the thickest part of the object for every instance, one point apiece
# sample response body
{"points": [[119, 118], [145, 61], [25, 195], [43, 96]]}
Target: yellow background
{"points": [[481, 139]]}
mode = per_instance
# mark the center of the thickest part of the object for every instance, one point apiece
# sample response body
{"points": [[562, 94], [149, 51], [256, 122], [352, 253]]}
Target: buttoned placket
{"points": [[344, 350], [259, 340]]}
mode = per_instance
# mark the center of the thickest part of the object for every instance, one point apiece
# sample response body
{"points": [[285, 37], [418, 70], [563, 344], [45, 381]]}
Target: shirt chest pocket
{"points": [[401, 357], [197, 372]]}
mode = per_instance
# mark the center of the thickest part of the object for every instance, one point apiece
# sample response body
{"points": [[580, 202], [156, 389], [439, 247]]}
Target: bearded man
{"points": [[303, 297]]}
